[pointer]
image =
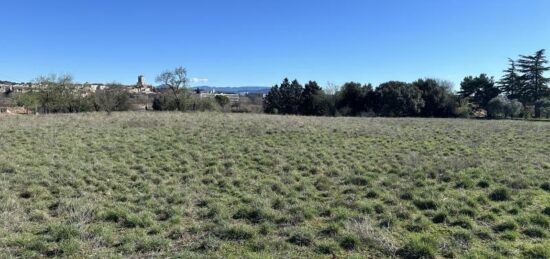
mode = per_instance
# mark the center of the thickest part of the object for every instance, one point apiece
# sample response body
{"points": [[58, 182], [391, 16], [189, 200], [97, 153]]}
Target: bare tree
{"points": [[175, 80]]}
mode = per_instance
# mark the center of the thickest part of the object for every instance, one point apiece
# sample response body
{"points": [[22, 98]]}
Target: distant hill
{"points": [[237, 89]]}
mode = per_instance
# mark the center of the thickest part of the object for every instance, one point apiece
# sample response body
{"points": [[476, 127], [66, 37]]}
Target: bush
{"points": [[502, 107]]}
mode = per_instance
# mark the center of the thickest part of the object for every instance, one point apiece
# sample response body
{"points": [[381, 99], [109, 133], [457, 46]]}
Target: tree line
{"points": [[522, 91], [59, 94]]}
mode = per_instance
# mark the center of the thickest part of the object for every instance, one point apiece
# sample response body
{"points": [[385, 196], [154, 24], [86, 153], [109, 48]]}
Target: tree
{"points": [[480, 89], [291, 95], [502, 107], [272, 101], [55, 92], [536, 85], [113, 98], [176, 81], [352, 98], [314, 100], [438, 99], [222, 100], [544, 107], [399, 99], [510, 83]]}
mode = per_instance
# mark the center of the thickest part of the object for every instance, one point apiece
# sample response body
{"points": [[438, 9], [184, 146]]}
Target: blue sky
{"points": [[259, 42]]}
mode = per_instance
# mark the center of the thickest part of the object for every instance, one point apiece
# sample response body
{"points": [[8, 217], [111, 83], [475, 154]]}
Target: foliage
{"points": [[113, 98], [439, 100], [222, 100], [399, 99], [502, 107], [535, 83], [480, 89]]}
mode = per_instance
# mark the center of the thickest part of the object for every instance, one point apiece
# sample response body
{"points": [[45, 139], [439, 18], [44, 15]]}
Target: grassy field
{"points": [[213, 185]]}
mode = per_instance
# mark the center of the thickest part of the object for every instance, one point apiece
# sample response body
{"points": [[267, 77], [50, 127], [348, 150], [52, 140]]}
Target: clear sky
{"points": [[259, 42]]}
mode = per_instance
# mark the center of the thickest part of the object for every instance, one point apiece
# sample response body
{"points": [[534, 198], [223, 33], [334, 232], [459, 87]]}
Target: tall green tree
{"points": [[312, 100], [510, 83], [352, 98], [291, 94], [480, 90], [533, 68], [272, 101]]}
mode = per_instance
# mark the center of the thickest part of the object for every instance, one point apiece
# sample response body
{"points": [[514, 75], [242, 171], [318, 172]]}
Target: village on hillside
{"points": [[142, 95]]}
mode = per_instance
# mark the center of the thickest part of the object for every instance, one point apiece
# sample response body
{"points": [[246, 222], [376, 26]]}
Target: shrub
{"points": [[545, 186], [501, 194], [546, 211]]}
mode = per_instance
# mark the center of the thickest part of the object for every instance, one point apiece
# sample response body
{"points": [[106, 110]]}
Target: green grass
{"points": [[225, 185]]}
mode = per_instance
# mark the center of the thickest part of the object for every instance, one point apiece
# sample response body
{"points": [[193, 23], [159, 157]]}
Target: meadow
{"points": [[242, 185]]}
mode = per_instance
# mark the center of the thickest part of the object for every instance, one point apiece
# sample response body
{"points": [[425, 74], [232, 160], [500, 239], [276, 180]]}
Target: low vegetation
{"points": [[222, 185]]}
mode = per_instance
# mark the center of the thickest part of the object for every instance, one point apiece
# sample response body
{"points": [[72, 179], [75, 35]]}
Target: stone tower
{"points": [[141, 82]]}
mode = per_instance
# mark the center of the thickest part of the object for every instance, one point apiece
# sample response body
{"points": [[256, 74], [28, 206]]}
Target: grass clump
{"points": [[500, 194], [425, 204], [349, 242], [236, 233], [301, 239], [417, 249]]}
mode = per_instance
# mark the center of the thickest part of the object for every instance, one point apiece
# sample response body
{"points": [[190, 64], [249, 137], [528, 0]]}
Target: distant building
{"points": [[233, 98], [141, 87]]}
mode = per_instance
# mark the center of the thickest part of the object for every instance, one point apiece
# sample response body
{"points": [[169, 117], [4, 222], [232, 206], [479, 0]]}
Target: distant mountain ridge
{"points": [[236, 89]]}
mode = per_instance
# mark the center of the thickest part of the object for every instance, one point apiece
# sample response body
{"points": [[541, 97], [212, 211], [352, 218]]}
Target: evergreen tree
{"points": [[536, 85], [438, 99], [311, 99], [272, 101], [399, 99], [510, 83], [291, 94], [480, 89], [352, 98]]}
